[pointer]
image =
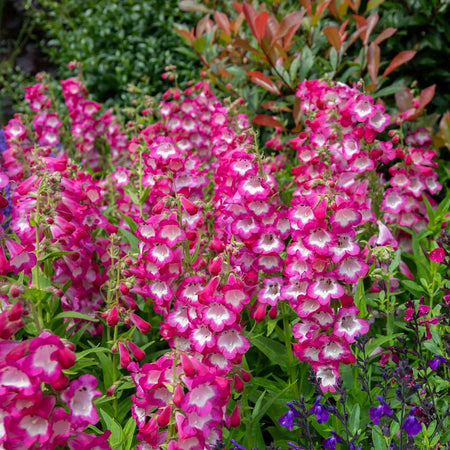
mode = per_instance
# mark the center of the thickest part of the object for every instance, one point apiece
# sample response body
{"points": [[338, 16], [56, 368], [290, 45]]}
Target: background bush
{"points": [[118, 41]]}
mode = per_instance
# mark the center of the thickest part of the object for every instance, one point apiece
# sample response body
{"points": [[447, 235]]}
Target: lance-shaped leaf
{"points": [[223, 22], [426, 96], [385, 34], [264, 81], [267, 121], [192, 6], [398, 60], [373, 61], [290, 22], [332, 34]]}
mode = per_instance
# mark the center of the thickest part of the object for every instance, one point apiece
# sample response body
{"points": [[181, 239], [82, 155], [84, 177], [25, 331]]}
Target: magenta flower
{"points": [[79, 396], [438, 255]]}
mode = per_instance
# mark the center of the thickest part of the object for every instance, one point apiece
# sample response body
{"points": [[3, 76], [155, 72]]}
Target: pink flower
{"points": [[438, 255], [79, 396]]}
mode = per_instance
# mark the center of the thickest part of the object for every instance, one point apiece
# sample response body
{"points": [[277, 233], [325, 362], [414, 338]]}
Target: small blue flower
{"points": [[238, 447], [330, 443], [287, 420], [375, 413], [321, 412], [437, 361], [411, 425]]}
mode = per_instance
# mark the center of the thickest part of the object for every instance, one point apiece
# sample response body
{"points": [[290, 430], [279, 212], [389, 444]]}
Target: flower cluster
{"points": [[39, 407]]}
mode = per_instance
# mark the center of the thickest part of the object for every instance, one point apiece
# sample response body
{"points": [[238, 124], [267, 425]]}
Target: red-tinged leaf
{"points": [[236, 24], [244, 44], [319, 12], [272, 27], [342, 27], [404, 99], [297, 112], [442, 138], [307, 5], [385, 34], [267, 121], [271, 104], [321, 8], [238, 7], [250, 15], [292, 19], [371, 22], [223, 22], [289, 35], [264, 81], [355, 36], [400, 59], [332, 34], [297, 128], [260, 25], [373, 61], [370, 87], [351, 4], [188, 35], [202, 26], [426, 96], [360, 21], [192, 6]]}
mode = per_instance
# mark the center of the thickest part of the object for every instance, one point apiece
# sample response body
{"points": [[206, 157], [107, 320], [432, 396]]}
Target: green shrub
{"points": [[119, 42]]}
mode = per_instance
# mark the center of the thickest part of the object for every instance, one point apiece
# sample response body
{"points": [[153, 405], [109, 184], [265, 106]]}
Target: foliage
{"points": [[118, 42], [260, 52]]}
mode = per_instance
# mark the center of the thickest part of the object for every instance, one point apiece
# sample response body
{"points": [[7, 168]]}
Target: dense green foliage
{"points": [[118, 42]]}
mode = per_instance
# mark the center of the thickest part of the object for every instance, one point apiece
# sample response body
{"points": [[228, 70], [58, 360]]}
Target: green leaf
{"points": [[107, 367], [131, 223], [306, 62], [430, 212], [75, 315], [295, 64], [413, 287], [84, 353], [144, 195], [377, 438], [378, 342], [275, 351], [130, 238], [54, 254], [354, 418], [395, 261], [333, 58], [199, 44], [389, 90], [128, 431]]}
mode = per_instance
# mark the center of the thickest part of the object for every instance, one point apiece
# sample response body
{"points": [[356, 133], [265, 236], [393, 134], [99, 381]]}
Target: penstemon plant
{"points": [[153, 273]]}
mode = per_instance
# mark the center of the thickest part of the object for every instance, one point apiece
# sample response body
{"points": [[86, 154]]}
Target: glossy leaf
{"points": [[385, 34], [267, 121], [332, 34], [264, 81], [223, 22], [192, 6], [373, 61], [260, 25], [400, 59], [426, 96]]}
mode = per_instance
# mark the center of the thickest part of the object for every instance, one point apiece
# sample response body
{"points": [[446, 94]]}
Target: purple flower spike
{"points": [[322, 414], [436, 362], [330, 443], [287, 420], [411, 425], [377, 412]]}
